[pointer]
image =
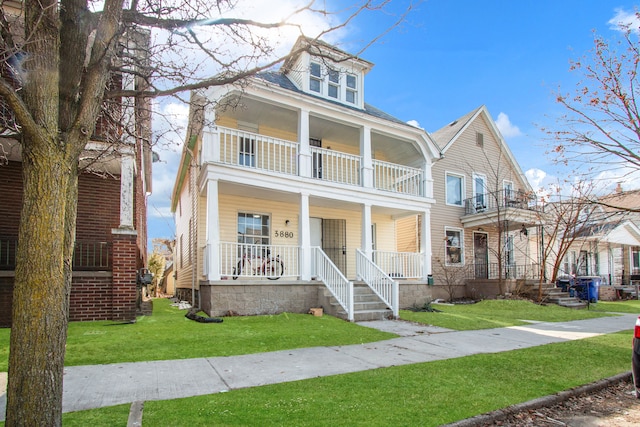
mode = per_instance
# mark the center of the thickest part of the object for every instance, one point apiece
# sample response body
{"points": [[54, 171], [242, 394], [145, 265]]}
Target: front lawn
{"points": [[500, 313], [425, 394]]}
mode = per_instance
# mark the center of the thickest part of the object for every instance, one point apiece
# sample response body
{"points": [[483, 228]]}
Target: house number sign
{"points": [[285, 234]]}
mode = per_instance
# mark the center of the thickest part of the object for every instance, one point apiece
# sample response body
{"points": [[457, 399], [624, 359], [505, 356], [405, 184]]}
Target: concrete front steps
{"points": [[551, 293], [366, 304]]}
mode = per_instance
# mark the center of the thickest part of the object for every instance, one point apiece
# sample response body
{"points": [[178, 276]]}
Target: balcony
{"points": [[254, 151], [505, 205]]}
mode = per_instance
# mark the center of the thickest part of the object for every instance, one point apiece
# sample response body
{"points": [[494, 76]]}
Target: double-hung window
{"points": [[315, 77], [454, 189], [334, 84], [453, 247], [352, 89], [253, 234]]}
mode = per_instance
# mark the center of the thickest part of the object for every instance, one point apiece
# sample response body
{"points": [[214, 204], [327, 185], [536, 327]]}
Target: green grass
{"points": [[167, 335], [426, 394], [627, 306], [501, 313]]}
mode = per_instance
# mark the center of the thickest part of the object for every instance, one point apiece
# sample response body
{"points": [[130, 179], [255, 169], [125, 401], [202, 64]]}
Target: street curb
{"points": [[540, 402]]}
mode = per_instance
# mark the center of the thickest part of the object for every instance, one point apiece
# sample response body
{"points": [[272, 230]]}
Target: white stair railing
{"points": [[380, 282], [339, 286]]}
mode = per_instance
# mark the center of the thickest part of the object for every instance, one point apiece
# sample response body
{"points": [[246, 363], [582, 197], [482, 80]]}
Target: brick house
{"points": [[111, 236]]}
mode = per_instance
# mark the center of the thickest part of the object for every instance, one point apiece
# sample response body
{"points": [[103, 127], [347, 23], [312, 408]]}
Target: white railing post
{"points": [[380, 282]]}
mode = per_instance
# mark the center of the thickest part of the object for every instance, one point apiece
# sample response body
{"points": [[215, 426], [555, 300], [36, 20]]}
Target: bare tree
{"points": [[59, 63], [452, 276], [600, 131]]}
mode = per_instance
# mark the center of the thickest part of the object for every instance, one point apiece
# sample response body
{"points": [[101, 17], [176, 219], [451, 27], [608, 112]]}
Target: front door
{"points": [[480, 255], [334, 242]]}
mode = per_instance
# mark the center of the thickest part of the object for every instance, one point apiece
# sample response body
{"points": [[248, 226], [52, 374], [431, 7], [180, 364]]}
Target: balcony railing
{"points": [[490, 202], [335, 166], [258, 151], [88, 255], [252, 150], [397, 178]]}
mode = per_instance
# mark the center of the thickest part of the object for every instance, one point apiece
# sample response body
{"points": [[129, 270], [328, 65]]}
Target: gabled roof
{"points": [[622, 233], [621, 200], [320, 48], [449, 134]]}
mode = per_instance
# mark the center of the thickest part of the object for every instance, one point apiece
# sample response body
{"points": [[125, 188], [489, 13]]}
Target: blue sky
{"points": [[451, 56]]}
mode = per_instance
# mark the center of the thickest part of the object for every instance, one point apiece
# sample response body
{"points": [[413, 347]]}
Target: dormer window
{"points": [[352, 89], [332, 83], [315, 78]]}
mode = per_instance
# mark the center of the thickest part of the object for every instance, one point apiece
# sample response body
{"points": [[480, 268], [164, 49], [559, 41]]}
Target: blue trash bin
{"points": [[588, 288]]}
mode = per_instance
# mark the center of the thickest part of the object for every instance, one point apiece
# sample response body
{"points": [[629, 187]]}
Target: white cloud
{"points": [[536, 177], [624, 20], [506, 128], [415, 124]]}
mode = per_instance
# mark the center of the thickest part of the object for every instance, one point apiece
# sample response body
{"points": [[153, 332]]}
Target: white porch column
{"points": [[213, 231], [127, 171], [367, 238], [210, 137], [305, 167], [305, 237], [367, 160], [425, 243]]}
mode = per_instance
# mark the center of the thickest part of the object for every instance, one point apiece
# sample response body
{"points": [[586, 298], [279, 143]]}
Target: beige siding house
{"points": [[484, 216], [290, 190]]}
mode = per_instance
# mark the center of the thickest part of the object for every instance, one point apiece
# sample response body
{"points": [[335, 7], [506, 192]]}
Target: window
{"points": [[253, 228], [479, 139], [351, 89], [247, 155], [334, 84], [454, 189], [453, 246], [478, 192], [316, 157], [635, 260], [315, 79]]}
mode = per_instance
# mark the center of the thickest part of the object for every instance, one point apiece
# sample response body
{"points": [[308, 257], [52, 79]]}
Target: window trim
{"points": [[482, 202], [460, 245], [446, 188]]}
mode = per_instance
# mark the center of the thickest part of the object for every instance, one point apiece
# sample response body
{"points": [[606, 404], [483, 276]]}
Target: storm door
{"points": [[480, 255], [334, 242]]}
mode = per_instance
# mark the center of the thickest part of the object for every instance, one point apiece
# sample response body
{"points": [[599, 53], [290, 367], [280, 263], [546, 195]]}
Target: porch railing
{"points": [[492, 201], [335, 166], [397, 178], [253, 150], [258, 151], [249, 260], [339, 286], [87, 256], [384, 286], [400, 265], [512, 271]]}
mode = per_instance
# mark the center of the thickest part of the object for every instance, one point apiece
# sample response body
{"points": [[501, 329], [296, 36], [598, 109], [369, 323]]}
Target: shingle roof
{"points": [[445, 134], [282, 81]]}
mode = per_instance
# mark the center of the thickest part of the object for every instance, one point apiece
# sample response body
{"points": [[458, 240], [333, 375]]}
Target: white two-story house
{"points": [[294, 177]]}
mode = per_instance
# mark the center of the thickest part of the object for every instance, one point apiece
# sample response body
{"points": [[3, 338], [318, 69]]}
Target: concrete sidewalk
{"points": [[87, 387]]}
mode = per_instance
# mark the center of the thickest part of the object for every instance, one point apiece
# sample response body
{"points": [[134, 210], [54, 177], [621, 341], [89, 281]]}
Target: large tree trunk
{"points": [[40, 309]]}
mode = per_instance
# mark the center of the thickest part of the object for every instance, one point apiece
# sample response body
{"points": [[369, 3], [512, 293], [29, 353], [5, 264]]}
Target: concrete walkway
{"points": [[87, 387]]}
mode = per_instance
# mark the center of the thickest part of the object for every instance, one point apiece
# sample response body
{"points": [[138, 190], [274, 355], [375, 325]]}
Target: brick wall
{"points": [[6, 296], [125, 259], [11, 206]]}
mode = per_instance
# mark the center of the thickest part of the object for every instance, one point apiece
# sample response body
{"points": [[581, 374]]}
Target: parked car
{"points": [[635, 358]]}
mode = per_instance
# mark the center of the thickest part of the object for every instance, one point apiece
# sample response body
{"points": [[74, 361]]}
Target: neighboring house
{"points": [[608, 245], [294, 177], [484, 214], [111, 218]]}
